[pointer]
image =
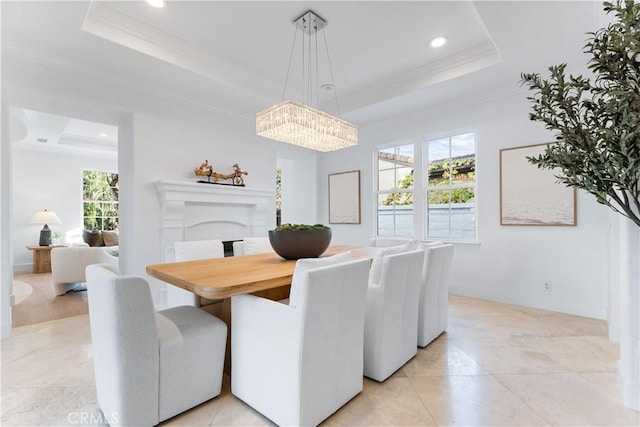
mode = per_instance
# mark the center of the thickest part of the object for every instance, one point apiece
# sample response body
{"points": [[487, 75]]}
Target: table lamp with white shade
{"points": [[45, 217]]}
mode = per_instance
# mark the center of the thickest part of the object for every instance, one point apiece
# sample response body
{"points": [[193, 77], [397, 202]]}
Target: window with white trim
{"points": [[395, 191], [100, 200], [450, 196]]}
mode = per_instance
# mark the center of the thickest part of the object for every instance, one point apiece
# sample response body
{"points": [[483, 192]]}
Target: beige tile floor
{"points": [[498, 365]]}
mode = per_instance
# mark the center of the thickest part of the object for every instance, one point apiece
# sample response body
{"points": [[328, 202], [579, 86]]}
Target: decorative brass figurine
{"points": [[206, 169]]}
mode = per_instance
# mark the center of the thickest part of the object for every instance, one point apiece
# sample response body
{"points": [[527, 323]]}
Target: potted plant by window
{"points": [[295, 241]]}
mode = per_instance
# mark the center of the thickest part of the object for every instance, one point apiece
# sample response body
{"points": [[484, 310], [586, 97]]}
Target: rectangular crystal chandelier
{"points": [[300, 124]]}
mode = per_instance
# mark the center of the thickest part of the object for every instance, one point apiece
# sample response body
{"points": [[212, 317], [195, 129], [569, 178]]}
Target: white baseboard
{"points": [[546, 302], [23, 268]]}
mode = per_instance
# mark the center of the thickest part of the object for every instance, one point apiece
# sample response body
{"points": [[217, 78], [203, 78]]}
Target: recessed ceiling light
{"points": [[438, 41], [104, 135], [328, 87], [157, 3]]}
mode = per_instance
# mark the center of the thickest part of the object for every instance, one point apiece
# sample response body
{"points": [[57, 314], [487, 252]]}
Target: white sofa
{"points": [[68, 264]]}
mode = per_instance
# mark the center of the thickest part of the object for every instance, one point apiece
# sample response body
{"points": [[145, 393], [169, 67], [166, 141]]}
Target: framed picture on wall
{"points": [[344, 198], [532, 196]]}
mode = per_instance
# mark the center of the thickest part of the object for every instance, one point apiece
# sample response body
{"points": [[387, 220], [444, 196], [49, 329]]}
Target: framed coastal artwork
{"points": [[532, 196], [344, 198]]}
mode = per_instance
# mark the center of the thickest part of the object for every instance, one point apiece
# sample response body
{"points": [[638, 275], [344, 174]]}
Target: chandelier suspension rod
{"points": [[335, 91], [304, 68], [317, 74], [286, 80], [309, 74]]}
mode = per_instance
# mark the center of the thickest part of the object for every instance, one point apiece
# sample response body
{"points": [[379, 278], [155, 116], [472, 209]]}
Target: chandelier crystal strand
{"points": [[300, 124]]}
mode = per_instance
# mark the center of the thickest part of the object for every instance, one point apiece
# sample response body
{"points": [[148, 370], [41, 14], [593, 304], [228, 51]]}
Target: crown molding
{"points": [[108, 23], [105, 22], [82, 141], [111, 24], [464, 62], [66, 149], [44, 59], [448, 108]]}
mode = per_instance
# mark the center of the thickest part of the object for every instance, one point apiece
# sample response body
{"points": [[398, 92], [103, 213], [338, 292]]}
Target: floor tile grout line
{"points": [[523, 401], [424, 404]]}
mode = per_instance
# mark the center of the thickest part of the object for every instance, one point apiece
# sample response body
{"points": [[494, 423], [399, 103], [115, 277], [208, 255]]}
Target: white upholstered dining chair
{"points": [[297, 364], [385, 242], [149, 366], [192, 250], [252, 245], [433, 310], [391, 324]]}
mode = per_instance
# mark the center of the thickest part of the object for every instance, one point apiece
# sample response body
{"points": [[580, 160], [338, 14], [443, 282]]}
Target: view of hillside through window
{"points": [[395, 191], [451, 187]]}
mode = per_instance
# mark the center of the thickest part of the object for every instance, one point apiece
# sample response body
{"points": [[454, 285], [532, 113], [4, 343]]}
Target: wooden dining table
{"points": [[266, 275], [221, 278]]}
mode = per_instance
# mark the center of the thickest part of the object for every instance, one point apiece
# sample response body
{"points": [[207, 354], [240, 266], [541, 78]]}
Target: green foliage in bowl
{"points": [[296, 227]]}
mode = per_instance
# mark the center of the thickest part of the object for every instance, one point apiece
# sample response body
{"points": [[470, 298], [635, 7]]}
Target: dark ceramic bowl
{"points": [[296, 244]]}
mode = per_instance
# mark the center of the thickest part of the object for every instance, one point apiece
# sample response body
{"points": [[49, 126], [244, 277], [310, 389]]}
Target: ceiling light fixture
{"points": [[104, 135], [157, 3], [296, 122], [438, 41]]}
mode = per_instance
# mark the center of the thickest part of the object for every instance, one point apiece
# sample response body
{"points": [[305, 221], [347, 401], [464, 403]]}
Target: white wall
{"points": [[511, 264], [299, 174], [48, 179]]}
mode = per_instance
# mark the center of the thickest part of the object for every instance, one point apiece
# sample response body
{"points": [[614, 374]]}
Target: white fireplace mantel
{"points": [[186, 206]]}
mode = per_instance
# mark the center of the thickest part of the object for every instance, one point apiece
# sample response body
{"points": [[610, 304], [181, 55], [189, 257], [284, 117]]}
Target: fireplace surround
{"points": [[195, 211]]}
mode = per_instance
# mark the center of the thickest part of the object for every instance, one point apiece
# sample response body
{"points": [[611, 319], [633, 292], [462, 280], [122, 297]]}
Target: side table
{"points": [[42, 257]]}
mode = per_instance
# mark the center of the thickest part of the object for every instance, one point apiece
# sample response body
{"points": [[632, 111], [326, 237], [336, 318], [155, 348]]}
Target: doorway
{"points": [[49, 153]]}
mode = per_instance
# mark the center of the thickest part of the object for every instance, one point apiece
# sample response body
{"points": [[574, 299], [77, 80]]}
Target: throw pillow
{"points": [[110, 238], [375, 272], [92, 238], [301, 272]]}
